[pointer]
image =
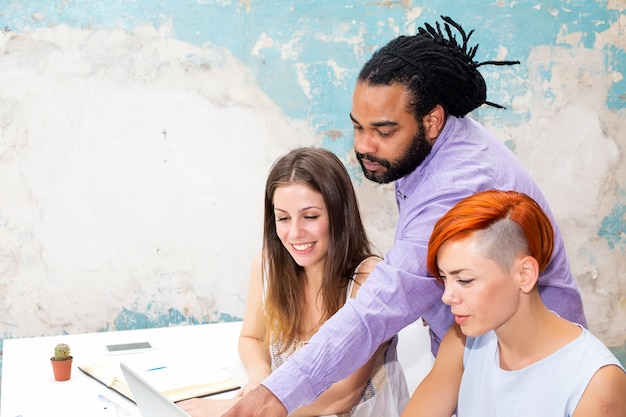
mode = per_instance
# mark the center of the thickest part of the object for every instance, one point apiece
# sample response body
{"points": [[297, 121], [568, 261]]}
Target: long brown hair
{"points": [[323, 172]]}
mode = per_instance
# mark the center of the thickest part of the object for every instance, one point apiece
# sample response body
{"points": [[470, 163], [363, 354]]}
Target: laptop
{"points": [[151, 403]]}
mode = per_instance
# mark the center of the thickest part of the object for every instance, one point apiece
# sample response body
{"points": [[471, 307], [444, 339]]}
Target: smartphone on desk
{"points": [[126, 348]]}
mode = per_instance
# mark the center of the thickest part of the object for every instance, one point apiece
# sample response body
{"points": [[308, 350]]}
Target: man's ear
{"points": [[434, 122], [528, 273]]}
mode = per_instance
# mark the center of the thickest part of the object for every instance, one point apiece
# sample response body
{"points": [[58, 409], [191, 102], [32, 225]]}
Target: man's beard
{"points": [[417, 151]]}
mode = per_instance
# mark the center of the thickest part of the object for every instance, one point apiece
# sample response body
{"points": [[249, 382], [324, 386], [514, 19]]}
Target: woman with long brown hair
{"points": [[315, 256]]}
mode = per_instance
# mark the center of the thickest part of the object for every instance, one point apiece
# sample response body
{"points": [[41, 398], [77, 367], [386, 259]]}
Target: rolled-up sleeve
{"points": [[464, 160], [393, 296]]}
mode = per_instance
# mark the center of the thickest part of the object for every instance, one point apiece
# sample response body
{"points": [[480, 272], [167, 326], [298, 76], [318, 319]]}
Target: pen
{"points": [[105, 400], [156, 369], [109, 402]]}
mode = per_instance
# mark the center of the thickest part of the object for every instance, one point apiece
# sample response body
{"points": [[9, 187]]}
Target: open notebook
{"points": [[176, 380]]}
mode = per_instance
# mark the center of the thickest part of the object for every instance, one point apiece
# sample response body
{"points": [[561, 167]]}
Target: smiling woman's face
{"points": [[302, 224]]}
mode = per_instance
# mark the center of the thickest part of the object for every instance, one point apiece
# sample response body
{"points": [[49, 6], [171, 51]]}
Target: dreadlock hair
{"points": [[435, 69]]}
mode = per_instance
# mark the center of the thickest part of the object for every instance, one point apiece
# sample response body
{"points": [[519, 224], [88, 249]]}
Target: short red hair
{"points": [[481, 211]]}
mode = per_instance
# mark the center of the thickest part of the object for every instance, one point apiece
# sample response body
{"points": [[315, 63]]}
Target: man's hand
{"points": [[206, 407], [260, 402]]}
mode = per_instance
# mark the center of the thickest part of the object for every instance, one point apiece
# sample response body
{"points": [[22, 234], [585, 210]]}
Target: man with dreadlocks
{"points": [[409, 111]]}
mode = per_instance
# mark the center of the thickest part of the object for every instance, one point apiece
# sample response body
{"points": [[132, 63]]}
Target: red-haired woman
{"points": [[508, 354]]}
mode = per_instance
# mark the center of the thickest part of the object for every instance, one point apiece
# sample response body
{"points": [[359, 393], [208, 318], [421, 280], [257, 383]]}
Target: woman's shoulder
{"points": [[363, 269], [605, 391]]}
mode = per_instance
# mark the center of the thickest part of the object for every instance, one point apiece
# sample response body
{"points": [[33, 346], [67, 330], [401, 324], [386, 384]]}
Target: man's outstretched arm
{"points": [[260, 402]]}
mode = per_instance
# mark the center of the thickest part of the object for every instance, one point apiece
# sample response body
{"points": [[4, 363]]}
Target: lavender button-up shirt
{"points": [[465, 159]]}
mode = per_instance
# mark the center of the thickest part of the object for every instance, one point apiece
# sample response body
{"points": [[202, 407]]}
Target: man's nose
{"points": [[364, 142]]}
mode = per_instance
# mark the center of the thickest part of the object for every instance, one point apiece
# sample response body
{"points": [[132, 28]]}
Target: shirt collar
{"points": [[406, 184]]}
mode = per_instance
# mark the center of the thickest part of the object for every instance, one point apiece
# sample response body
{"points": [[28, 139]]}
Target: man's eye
{"points": [[384, 134]]}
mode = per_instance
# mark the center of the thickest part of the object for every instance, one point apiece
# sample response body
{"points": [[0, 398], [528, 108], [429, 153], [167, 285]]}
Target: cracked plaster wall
{"points": [[135, 138]]}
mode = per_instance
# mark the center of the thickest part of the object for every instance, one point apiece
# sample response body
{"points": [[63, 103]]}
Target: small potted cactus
{"points": [[61, 362]]}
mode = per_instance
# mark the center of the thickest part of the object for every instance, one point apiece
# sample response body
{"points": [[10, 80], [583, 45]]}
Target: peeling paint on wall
{"points": [[614, 228], [135, 138], [134, 166], [146, 319]]}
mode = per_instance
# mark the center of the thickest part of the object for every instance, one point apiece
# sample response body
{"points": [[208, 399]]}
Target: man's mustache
{"points": [[372, 158]]}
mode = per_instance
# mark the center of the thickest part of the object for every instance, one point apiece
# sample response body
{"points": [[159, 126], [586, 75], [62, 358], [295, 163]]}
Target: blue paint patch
{"points": [[613, 228], [511, 145], [616, 99], [306, 36], [591, 257], [130, 319], [227, 318]]}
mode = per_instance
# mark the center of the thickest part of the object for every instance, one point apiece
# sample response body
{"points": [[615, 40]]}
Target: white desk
{"points": [[29, 388]]}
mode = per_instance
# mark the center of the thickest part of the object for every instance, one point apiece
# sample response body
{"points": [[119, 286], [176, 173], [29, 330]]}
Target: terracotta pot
{"points": [[62, 369]]}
